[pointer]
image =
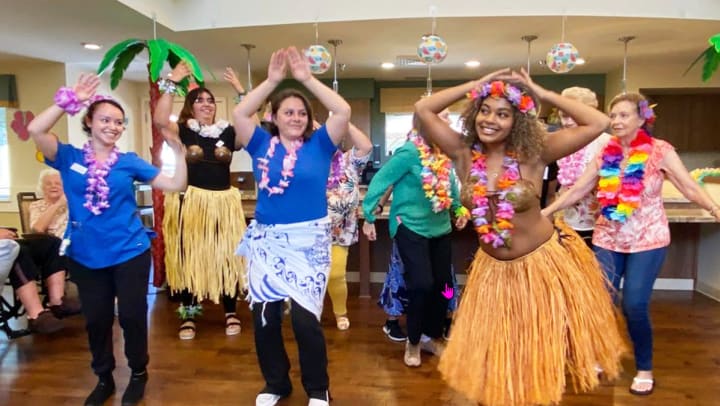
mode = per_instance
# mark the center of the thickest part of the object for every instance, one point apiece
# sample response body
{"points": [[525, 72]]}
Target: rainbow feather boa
{"points": [[619, 191]]}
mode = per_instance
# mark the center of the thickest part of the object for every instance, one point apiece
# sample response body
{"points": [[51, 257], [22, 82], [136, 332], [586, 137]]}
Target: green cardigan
{"points": [[409, 204]]}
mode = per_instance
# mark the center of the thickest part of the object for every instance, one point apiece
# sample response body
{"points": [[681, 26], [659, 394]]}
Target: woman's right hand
{"points": [[277, 68], [86, 86], [369, 231], [179, 72], [298, 65], [498, 74]]}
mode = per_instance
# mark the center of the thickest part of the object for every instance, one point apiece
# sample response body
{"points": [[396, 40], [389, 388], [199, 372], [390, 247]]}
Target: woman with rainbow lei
{"points": [[632, 234], [287, 245], [536, 304], [424, 192]]}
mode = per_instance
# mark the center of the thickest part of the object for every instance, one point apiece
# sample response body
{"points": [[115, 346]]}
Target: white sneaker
{"points": [[319, 402], [267, 399]]}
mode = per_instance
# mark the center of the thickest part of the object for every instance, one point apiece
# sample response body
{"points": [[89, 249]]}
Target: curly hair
{"points": [[526, 135]]}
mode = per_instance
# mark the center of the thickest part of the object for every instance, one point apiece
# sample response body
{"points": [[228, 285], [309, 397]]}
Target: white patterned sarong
{"points": [[288, 260]]}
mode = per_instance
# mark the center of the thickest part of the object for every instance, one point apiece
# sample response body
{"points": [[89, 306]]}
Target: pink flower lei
{"points": [[287, 168], [97, 190], [337, 169]]}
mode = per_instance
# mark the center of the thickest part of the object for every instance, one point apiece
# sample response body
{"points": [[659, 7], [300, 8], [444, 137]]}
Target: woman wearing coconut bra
{"points": [[535, 306], [202, 227]]}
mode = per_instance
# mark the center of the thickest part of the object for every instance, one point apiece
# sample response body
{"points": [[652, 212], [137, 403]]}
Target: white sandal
{"points": [[343, 323]]}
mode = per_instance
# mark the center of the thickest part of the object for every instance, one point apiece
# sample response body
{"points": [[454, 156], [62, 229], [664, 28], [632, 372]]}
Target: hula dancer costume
{"points": [[526, 324], [202, 227]]}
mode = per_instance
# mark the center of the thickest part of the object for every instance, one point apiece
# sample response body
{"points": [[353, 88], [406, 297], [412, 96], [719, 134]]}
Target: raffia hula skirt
{"points": [[523, 324], [200, 238]]}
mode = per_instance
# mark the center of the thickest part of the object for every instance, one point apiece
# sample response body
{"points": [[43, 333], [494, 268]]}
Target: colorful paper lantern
{"points": [[319, 59], [562, 57], [432, 49]]}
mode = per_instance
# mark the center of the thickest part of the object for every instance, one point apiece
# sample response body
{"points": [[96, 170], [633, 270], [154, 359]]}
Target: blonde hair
{"points": [[581, 94], [41, 179]]}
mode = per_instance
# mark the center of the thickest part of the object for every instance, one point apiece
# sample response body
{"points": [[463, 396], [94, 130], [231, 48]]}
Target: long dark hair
{"points": [[279, 97], [91, 112], [187, 111]]}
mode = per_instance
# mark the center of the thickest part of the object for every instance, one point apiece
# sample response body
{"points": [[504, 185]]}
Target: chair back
{"points": [[23, 200]]}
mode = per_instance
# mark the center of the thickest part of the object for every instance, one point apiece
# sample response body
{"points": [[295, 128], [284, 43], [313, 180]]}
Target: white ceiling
{"points": [[53, 30]]}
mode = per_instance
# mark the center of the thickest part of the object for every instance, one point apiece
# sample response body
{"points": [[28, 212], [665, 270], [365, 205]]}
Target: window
{"points": [[398, 125], [4, 158]]}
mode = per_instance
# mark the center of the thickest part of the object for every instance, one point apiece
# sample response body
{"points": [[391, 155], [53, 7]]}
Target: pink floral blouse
{"points": [[58, 224], [647, 228]]}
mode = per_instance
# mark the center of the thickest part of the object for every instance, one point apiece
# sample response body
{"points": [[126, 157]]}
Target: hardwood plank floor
{"points": [[365, 367]]}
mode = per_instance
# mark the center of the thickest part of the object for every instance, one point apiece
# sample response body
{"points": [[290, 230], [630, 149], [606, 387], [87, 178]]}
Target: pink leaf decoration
{"points": [[20, 122]]}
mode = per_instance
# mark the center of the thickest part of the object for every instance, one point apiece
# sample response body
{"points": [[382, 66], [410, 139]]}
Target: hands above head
{"points": [[230, 77], [369, 231], [86, 86], [179, 72], [277, 68], [496, 75], [299, 66], [524, 78]]}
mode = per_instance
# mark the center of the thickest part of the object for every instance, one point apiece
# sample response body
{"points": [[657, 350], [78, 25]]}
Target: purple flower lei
{"points": [[97, 190]]}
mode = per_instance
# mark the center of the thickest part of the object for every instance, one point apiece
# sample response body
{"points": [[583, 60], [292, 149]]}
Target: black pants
{"points": [[273, 359], [229, 302], [38, 256], [586, 235], [428, 264], [98, 288]]}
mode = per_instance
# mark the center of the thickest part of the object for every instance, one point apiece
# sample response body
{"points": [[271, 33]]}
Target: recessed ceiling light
{"points": [[580, 61], [472, 64], [91, 46], [387, 65]]}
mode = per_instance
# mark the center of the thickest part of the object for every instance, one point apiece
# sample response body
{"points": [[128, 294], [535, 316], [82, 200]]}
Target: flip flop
{"points": [[637, 380]]}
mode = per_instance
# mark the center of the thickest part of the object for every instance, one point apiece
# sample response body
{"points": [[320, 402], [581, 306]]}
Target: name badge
{"points": [[78, 168], [219, 144]]}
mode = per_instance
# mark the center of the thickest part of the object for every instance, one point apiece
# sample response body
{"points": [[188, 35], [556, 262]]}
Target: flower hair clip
{"points": [[646, 111], [99, 97], [518, 98]]}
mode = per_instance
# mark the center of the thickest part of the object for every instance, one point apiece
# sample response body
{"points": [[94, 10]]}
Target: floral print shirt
{"points": [[59, 222], [344, 198]]}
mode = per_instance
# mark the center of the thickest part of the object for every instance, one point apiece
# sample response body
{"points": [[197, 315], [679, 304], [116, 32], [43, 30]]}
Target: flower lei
{"points": [[337, 169], [701, 173], [517, 97], [97, 190], [499, 232], [571, 167], [287, 169], [435, 173], [208, 131], [619, 191]]}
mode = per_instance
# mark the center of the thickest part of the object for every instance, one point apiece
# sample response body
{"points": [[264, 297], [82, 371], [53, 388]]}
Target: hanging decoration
{"points": [[318, 56], [625, 41], [710, 57], [432, 49], [563, 56]]}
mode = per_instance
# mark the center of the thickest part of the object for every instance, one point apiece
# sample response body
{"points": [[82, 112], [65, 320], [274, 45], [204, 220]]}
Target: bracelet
{"points": [[67, 99], [167, 86], [240, 96], [462, 211]]}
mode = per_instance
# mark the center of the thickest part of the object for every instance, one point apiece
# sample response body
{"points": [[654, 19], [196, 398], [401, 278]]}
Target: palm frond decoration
{"points": [[711, 57]]}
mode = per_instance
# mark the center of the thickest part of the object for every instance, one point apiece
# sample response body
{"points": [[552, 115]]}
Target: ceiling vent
{"points": [[409, 61]]}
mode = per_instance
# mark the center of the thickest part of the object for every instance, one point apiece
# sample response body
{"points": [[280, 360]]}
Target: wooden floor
{"points": [[365, 367]]}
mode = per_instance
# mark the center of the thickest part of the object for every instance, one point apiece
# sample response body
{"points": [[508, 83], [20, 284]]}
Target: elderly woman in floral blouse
{"points": [[343, 200]]}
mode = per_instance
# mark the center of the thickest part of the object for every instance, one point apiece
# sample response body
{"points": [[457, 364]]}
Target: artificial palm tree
{"points": [[160, 51], [711, 56]]}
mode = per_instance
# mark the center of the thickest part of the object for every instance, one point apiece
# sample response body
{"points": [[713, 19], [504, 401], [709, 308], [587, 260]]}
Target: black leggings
{"points": [[38, 256]]}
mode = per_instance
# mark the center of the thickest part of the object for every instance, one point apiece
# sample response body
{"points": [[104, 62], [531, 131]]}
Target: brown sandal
{"points": [[232, 325]]}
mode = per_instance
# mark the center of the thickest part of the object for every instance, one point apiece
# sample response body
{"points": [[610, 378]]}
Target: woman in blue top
{"points": [[106, 243], [287, 246]]}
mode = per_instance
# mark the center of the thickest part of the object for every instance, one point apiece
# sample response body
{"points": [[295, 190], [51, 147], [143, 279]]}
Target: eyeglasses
{"points": [[208, 100]]}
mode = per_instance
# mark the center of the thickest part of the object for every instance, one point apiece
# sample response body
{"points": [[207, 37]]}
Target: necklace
{"points": [[97, 190], [208, 131], [287, 168], [499, 232], [337, 170], [435, 173], [619, 191]]}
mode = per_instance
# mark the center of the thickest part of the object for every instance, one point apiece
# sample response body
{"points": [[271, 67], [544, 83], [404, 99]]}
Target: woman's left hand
{"points": [[298, 65], [230, 77], [524, 77], [86, 86], [461, 222]]}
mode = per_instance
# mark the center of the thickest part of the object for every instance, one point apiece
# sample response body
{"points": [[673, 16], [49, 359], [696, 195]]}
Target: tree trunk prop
{"points": [[158, 198]]}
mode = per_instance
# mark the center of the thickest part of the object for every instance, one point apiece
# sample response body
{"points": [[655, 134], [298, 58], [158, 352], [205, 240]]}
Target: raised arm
{"points": [[337, 123], [360, 141], [582, 187], [177, 182], [591, 122], [39, 127], [164, 106], [230, 77], [680, 177], [244, 114]]}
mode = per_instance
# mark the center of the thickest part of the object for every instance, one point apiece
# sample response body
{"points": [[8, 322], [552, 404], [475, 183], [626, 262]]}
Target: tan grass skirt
{"points": [[200, 238], [523, 324]]}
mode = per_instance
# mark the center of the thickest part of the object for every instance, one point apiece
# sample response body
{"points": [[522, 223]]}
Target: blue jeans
{"points": [[639, 269]]}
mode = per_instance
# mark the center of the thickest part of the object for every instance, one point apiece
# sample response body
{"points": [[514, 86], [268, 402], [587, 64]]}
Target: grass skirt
{"points": [[523, 324], [201, 232]]}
